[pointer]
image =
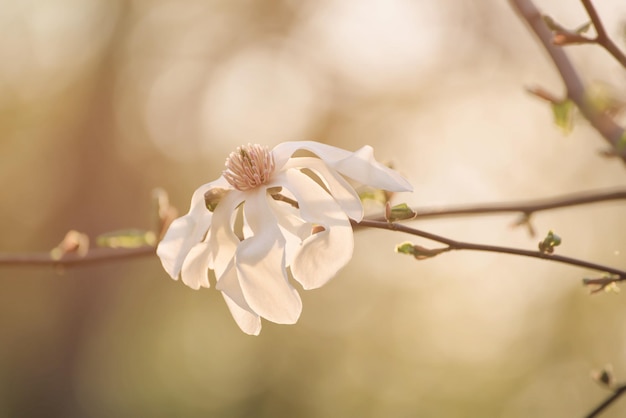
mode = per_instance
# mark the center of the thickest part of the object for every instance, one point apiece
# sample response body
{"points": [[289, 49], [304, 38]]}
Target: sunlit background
{"points": [[101, 101]]}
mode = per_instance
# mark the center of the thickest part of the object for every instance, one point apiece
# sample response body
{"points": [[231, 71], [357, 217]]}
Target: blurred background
{"points": [[103, 100]]}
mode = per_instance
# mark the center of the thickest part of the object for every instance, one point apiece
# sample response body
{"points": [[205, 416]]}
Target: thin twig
{"points": [[602, 283], [526, 208], [461, 245], [570, 38], [601, 121], [96, 255], [602, 38], [619, 391]]}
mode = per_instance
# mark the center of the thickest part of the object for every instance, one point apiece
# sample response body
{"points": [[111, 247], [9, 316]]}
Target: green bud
{"points": [[399, 213], [405, 248], [563, 113], [127, 238], [549, 242], [213, 197], [376, 195], [419, 252]]}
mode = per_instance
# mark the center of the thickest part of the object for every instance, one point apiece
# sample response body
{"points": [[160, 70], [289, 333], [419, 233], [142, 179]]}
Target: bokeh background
{"points": [[103, 100]]}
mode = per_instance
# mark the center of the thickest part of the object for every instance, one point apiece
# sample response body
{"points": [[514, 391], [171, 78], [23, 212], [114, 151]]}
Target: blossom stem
{"points": [[461, 245]]}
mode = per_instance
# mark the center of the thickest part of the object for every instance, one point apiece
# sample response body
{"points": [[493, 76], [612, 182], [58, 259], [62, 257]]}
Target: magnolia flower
{"points": [[269, 211]]}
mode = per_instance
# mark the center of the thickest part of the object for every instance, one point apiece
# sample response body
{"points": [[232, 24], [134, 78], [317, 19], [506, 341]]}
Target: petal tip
{"points": [[169, 263]]}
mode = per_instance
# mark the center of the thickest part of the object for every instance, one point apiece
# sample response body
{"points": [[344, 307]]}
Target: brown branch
{"points": [[602, 38], [619, 391], [461, 245], [525, 208], [601, 121], [565, 37], [97, 255], [601, 283], [570, 38]]}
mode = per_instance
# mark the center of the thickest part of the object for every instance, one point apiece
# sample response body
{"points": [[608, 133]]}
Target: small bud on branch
{"points": [[549, 242]]}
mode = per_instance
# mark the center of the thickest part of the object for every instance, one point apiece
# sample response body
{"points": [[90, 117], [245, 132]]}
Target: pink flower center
{"points": [[249, 166]]}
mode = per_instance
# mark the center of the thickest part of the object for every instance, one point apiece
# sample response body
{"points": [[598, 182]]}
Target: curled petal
{"points": [[223, 241], [196, 265], [283, 152], [363, 167], [360, 165], [325, 252], [339, 188], [248, 320], [293, 228], [186, 231], [260, 264]]}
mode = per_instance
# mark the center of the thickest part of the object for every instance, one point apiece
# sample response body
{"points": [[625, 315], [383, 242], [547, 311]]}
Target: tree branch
{"points": [[93, 256], [601, 121], [619, 391], [461, 245], [526, 208], [602, 38]]}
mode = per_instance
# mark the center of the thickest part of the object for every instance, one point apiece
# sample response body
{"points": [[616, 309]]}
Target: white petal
{"points": [[223, 240], [248, 321], [186, 231], [196, 265], [363, 167], [245, 229], [283, 151], [323, 254], [260, 264], [360, 165], [339, 188], [294, 229]]}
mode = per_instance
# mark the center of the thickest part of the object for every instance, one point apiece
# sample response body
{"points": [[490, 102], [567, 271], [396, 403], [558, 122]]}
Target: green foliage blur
{"points": [[101, 101]]}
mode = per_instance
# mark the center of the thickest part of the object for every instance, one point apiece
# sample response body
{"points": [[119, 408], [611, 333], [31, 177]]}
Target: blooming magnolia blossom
{"points": [[296, 214]]}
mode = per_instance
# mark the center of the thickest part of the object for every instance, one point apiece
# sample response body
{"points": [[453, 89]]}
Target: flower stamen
{"points": [[249, 167]]}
